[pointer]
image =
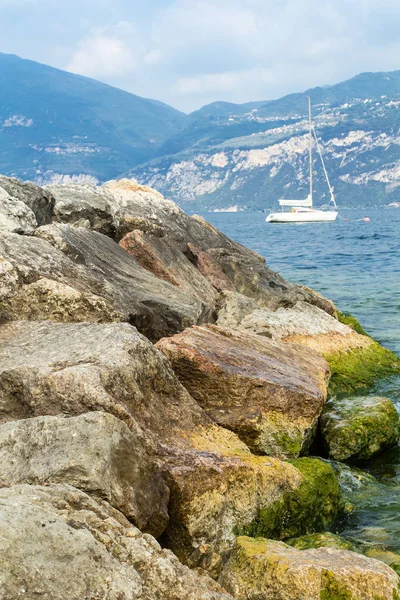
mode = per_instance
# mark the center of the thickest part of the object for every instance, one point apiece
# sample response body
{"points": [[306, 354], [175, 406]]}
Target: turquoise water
{"points": [[356, 264]]}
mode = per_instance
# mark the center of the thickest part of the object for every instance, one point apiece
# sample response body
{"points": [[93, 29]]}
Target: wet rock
{"points": [[83, 205], [103, 282], [216, 485], [312, 506], [15, 216], [60, 544], [358, 427], [261, 569], [94, 452], [271, 394], [40, 201], [321, 540]]}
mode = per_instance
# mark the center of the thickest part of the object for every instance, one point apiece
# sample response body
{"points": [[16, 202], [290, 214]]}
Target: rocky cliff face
{"points": [[155, 377]]}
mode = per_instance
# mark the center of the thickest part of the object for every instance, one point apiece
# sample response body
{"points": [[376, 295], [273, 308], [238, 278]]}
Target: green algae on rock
{"points": [[313, 506], [321, 540], [261, 569], [358, 427], [360, 367], [348, 319]]}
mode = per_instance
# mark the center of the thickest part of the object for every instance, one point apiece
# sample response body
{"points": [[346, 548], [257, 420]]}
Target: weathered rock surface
{"points": [[216, 485], [271, 394], [355, 359], [169, 233], [83, 205], [15, 216], [94, 452], [162, 257], [37, 199], [358, 427], [62, 264], [261, 569], [60, 544]]}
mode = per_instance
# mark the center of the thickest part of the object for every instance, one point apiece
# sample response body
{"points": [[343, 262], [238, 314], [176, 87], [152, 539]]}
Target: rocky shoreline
{"points": [[165, 430]]}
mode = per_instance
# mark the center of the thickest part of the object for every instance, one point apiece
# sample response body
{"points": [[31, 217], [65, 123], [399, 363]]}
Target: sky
{"points": [[189, 53]]}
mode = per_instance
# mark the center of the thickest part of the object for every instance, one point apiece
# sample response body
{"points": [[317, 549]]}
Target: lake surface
{"points": [[356, 264]]}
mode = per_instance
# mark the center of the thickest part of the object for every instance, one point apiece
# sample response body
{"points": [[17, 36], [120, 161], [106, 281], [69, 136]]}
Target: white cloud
{"points": [[105, 52], [191, 52]]}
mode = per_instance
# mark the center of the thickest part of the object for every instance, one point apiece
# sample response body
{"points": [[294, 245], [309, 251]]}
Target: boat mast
{"points": [[310, 147]]}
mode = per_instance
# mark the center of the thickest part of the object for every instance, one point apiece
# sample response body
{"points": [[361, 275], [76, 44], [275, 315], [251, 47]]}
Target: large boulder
{"points": [[271, 394], [73, 274], [354, 358], [57, 543], [94, 452], [225, 264], [260, 569], [217, 486], [38, 200], [356, 428], [83, 205]]}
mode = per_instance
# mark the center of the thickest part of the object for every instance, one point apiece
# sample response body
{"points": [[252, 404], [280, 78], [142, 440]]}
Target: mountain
{"points": [[249, 155], [54, 123], [56, 126]]}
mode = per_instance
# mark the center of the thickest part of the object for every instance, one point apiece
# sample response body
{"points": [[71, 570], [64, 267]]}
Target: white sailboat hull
{"points": [[312, 216]]}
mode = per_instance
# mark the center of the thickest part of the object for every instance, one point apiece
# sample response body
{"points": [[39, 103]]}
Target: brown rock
{"points": [[271, 394]]}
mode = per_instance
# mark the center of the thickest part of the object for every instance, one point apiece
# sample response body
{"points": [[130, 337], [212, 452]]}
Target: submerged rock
{"points": [[94, 452], [359, 427], [260, 569], [321, 540], [269, 393], [60, 544]]}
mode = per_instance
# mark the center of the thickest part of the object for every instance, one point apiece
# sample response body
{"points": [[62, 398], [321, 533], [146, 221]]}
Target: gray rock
{"points": [[15, 216], [94, 452], [101, 280], [38, 200], [224, 263], [216, 485], [77, 204], [60, 544]]}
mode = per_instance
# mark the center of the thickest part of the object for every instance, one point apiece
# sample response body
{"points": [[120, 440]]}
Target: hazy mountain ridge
{"points": [[55, 124], [251, 157]]}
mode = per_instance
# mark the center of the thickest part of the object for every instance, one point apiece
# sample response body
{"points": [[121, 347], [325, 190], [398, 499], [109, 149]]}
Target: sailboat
{"points": [[302, 211]]}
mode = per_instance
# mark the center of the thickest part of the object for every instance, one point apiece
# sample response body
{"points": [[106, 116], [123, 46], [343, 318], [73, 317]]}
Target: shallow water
{"points": [[356, 264]]}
